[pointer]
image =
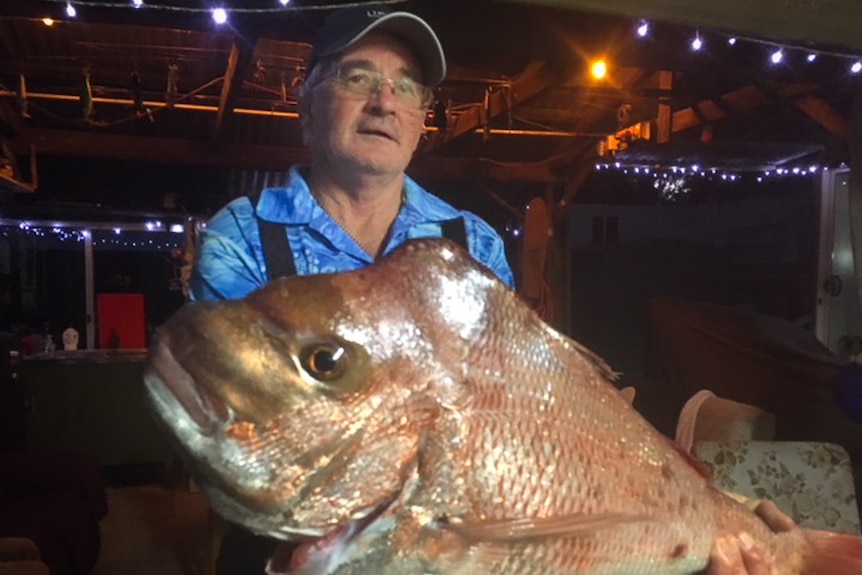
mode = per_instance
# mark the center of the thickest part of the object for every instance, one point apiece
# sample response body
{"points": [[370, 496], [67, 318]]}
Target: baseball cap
{"points": [[343, 28]]}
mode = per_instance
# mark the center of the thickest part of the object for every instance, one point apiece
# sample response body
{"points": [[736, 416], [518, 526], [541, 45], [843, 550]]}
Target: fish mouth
{"points": [[313, 554], [166, 378]]}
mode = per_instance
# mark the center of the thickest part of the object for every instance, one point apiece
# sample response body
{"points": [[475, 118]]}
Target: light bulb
{"points": [[777, 56], [643, 29], [219, 15], [599, 69], [70, 10], [812, 57], [697, 43], [856, 67], [731, 41]]}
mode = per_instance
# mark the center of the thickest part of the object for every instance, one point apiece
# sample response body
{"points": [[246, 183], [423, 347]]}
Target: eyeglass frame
{"points": [[335, 73]]}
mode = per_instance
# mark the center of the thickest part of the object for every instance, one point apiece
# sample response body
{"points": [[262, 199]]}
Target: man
{"points": [[362, 107]]}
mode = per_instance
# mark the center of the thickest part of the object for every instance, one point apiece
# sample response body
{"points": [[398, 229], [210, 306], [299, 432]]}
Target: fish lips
{"points": [[165, 378]]}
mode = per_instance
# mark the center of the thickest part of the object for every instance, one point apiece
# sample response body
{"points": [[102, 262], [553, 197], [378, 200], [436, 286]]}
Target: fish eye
{"points": [[324, 361]]}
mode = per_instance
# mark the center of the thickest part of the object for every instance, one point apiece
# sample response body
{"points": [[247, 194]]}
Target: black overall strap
{"points": [[279, 256], [455, 230], [276, 247]]}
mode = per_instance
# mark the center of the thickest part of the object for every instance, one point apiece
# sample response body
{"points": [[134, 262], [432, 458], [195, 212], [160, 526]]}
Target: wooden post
{"points": [[665, 113], [854, 142]]}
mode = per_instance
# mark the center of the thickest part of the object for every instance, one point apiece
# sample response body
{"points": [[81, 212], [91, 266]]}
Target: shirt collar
{"points": [[294, 204], [291, 204]]}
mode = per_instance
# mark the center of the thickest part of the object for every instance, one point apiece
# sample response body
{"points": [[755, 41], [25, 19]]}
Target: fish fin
{"points": [[687, 422], [504, 530], [833, 553], [628, 394], [596, 360], [702, 468]]}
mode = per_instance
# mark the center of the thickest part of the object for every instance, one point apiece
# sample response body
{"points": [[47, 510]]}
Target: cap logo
{"points": [[376, 13]]}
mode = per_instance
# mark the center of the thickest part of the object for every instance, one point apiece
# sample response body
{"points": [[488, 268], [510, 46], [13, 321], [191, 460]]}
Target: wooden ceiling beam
{"points": [[535, 78], [741, 100], [10, 120], [821, 112], [269, 158], [163, 150], [238, 64]]}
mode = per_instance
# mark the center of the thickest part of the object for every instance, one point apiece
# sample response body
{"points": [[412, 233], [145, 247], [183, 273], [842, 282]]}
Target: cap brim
{"points": [[415, 32]]}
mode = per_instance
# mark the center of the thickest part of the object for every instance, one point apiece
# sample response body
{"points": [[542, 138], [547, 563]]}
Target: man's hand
{"points": [[739, 555]]}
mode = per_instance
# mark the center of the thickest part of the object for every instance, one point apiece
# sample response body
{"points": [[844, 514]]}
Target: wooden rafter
{"points": [[154, 149], [269, 158], [741, 100], [821, 112], [238, 63], [535, 78]]}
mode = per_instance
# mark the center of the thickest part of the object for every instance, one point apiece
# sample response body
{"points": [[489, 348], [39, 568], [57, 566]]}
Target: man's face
{"points": [[375, 133]]}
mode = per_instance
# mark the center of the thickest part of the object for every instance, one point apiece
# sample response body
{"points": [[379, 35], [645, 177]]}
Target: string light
{"points": [[219, 15], [777, 56], [643, 29], [695, 170], [131, 237], [281, 7], [811, 56]]}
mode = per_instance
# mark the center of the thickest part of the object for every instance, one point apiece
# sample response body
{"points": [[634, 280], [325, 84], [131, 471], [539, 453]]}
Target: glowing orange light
{"points": [[599, 69], [48, 21]]}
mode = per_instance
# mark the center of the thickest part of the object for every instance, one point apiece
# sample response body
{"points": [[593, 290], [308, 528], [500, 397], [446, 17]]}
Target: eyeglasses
{"points": [[408, 92]]}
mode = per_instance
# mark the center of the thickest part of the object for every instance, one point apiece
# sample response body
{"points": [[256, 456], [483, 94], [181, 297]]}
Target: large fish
{"points": [[414, 417]]}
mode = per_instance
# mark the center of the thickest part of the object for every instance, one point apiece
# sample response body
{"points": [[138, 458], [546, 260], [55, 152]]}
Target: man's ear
{"points": [[304, 109], [305, 125]]}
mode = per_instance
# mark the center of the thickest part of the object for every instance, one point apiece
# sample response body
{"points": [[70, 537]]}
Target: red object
{"points": [[122, 322]]}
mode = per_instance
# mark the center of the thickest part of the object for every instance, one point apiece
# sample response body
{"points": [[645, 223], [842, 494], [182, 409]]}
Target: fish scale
{"points": [[418, 418]]}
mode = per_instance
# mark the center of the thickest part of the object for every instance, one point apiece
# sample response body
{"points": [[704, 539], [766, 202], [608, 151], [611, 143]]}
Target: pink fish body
{"points": [[416, 417]]}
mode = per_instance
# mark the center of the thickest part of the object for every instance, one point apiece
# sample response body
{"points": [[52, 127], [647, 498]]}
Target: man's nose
{"points": [[383, 96]]}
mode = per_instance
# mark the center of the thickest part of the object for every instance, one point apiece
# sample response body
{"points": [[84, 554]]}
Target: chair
{"points": [[20, 556], [707, 417], [810, 481]]}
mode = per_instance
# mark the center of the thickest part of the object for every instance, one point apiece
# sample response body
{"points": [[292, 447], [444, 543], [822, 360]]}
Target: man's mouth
{"points": [[371, 131]]}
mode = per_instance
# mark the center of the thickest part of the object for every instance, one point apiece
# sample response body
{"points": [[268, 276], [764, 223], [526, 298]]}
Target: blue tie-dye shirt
{"points": [[230, 262]]}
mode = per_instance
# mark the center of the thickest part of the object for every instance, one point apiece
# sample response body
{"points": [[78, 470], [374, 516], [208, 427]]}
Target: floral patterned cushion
{"points": [[810, 481]]}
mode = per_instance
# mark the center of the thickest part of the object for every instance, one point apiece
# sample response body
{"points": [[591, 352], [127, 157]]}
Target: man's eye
{"points": [[407, 87], [356, 78]]}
